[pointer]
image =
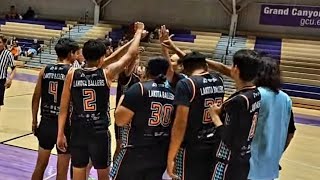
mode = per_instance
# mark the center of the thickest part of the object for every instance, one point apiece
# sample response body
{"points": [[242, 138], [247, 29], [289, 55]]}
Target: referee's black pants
{"points": [[2, 89]]}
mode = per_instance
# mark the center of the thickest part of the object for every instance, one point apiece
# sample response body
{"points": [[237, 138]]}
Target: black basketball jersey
{"points": [[176, 78], [124, 83], [239, 116], [198, 93], [152, 104], [52, 86], [90, 97]]}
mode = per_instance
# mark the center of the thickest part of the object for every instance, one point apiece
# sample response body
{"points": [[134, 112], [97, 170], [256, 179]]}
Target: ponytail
{"points": [[160, 79]]}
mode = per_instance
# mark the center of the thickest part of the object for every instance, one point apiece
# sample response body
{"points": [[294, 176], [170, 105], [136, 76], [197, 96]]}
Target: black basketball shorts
{"points": [[97, 147], [47, 133], [140, 163]]}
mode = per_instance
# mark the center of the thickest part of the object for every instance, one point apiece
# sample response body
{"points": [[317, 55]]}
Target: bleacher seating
{"points": [[300, 64], [204, 42], [272, 47], [35, 29], [49, 24], [98, 31]]}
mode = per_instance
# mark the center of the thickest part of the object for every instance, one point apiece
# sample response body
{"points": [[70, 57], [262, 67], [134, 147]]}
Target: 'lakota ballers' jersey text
{"points": [[52, 86], [90, 97], [153, 107], [198, 93]]}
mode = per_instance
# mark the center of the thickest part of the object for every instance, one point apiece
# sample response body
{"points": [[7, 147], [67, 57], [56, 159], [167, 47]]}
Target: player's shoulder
{"points": [[244, 97], [217, 76], [285, 96], [137, 88], [188, 81]]}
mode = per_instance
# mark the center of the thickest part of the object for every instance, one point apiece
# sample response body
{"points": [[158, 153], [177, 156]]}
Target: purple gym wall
{"points": [[285, 15]]}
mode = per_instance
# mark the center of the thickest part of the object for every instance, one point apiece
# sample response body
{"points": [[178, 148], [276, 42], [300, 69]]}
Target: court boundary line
{"points": [[17, 137], [11, 145], [51, 176], [19, 95], [15, 146]]}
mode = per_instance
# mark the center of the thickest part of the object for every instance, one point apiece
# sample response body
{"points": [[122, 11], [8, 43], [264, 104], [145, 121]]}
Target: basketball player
{"points": [[49, 89], [111, 57], [236, 120], [88, 89], [147, 108], [191, 146], [126, 79], [273, 118], [174, 72]]}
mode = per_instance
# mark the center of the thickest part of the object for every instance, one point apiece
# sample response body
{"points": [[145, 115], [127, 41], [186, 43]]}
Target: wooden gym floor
{"points": [[17, 144]]}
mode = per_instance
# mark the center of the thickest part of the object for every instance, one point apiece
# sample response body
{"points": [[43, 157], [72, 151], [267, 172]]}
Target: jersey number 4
{"points": [[53, 90], [161, 114], [207, 103], [89, 100]]}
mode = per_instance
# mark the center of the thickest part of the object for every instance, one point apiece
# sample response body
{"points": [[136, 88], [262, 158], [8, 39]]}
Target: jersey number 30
{"points": [[89, 100], [161, 114]]}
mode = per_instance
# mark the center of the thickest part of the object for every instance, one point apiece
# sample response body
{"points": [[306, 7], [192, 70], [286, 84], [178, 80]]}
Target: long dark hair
{"points": [[269, 74], [157, 69]]}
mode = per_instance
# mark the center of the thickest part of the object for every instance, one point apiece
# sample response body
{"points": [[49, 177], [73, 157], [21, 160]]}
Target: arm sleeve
{"points": [[183, 94], [292, 127], [133, 97], [231, 124]]}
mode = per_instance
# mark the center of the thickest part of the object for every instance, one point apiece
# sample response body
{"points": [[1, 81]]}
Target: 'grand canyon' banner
{"points": [[285, 15]]}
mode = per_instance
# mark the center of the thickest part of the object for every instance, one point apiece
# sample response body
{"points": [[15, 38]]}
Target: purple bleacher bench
{"points": [[300, 90], [190, 36], [183, 39], [301, 87]]}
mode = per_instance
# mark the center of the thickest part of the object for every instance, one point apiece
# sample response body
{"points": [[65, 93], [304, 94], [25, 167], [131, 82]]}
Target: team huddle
{"points": [[170, 116]]}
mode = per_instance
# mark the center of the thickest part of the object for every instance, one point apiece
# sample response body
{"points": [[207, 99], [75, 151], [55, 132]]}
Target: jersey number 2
{"points": [[161, 114], [89, 100], [207, 103], [53, 90]]}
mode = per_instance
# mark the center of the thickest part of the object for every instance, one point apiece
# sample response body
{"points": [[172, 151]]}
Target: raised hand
{"points": [[139, 26], [163, 33]]}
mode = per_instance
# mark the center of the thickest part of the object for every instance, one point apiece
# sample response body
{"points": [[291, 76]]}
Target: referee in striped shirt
{"points": [[6, 60]]}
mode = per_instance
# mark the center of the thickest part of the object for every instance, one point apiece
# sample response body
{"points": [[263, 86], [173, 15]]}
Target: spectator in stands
{"points": [[12, 13], [35, 49], [30, 14], [15, 50], [107, 37], [122, 41], [10, 42]]}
